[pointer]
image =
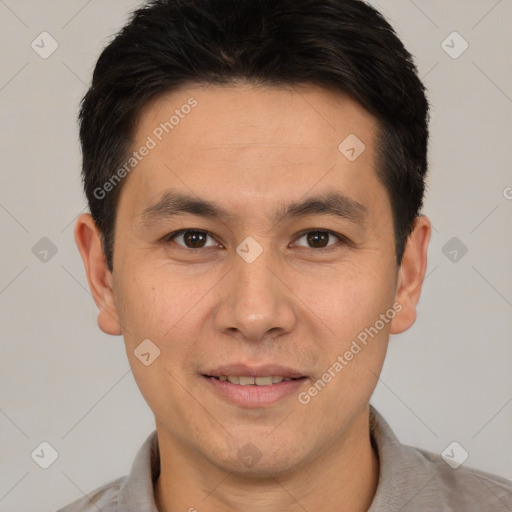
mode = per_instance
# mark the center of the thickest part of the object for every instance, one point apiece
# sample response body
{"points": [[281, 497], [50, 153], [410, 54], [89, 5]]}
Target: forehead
{"points": [[304, 116], [254, 145]]}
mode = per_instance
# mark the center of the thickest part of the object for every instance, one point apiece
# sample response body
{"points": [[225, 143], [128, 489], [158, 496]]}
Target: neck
{"points": [[344, 478]]}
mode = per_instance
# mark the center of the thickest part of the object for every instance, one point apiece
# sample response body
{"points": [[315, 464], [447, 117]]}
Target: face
{"points": [[252, 284]]}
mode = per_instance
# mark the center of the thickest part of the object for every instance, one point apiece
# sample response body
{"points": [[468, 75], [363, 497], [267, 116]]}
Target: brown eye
{"points": [[319, 239], [192, 239]]}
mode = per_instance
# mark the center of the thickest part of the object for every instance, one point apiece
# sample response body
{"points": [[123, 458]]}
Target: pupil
{"points": [[194, 237], [315, 236]]}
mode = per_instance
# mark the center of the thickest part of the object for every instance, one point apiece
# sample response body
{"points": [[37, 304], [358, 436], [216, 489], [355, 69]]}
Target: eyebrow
{"points": [[173, 204]]}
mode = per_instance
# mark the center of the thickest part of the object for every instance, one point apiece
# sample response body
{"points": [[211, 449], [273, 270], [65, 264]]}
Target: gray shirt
{"points": [[410, 480]]}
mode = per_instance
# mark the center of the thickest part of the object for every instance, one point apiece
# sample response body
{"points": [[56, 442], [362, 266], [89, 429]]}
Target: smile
{"points": [[243, 380], [254, 392]]}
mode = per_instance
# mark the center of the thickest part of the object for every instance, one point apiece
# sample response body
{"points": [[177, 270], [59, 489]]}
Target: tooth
{"points": [[263, 381], [245, 380]]}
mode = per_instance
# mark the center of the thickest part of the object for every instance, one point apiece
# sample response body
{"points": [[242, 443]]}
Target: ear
{"points": [[411, 275], [88, 241]]}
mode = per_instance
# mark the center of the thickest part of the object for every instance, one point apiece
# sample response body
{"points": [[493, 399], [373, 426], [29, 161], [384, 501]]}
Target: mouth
{"points": [[254, 387], [246, 380]]}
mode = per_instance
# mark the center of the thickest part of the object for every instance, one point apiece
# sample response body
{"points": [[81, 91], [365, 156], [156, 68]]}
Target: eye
{"points": [[196, 239], [318, 239], [192, 238]]}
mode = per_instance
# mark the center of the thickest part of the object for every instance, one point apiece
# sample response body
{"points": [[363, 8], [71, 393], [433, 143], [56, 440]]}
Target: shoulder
{"points": [[463, 487], [104, 498], [412, 479], [131, 492]]}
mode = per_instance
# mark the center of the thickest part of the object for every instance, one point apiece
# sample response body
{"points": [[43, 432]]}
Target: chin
{"points": [[248, 461]]}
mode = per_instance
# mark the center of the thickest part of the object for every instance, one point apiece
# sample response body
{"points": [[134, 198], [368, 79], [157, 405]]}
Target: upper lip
{"points": [[255, 371]]}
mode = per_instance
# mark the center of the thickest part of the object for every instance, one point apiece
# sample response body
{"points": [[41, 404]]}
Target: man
{"points": [[255, 173]]}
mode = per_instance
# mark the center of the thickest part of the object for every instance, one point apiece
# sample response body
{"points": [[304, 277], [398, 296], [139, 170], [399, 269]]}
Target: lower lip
{"points": [[253, 395]]}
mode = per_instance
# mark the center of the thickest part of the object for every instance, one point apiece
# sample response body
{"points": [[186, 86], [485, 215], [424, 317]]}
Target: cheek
{"points": [[354, 346], [348, 299], [153, 304], [150, 308], [163, 307]]}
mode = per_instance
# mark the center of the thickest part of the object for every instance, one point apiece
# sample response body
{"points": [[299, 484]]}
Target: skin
{"points": [[250, 150]]}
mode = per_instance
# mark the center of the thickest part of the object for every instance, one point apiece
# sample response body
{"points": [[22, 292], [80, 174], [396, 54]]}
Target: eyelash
{"points": [[344, 240]]}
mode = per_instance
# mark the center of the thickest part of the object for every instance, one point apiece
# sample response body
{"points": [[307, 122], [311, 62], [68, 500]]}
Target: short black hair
{"points": [[342, 45]]}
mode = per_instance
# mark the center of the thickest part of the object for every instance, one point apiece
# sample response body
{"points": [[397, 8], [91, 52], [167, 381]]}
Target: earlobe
{"points": [[88, 241], [411, 275]]}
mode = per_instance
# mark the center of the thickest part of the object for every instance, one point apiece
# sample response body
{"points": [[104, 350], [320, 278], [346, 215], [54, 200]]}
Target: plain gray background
{"points": [[64, 382]]}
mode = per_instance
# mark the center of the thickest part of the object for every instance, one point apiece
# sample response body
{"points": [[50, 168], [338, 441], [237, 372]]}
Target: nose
{"points": [[256, 301]]}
